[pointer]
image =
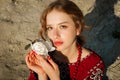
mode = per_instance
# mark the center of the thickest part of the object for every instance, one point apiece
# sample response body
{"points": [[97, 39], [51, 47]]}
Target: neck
{"points": [[71, 53]]}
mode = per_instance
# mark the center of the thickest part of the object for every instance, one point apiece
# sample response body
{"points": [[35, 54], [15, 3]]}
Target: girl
{"points": [[62, 22]]}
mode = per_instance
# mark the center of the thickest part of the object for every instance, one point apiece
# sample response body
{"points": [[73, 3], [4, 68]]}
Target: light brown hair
{"points": [[68, 7]]}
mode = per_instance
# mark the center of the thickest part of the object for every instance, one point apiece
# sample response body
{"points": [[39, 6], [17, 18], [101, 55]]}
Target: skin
{"points": [[62, 31], [43, 68], [61, 28]]}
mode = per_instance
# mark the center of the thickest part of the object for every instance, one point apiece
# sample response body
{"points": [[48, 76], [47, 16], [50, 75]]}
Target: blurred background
{"points": [[19, 21]]}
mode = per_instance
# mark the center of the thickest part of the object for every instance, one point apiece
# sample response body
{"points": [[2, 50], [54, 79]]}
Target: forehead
{"points": [[56, 15]]}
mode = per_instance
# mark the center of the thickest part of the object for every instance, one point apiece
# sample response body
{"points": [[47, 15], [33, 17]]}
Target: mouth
{"points": [[58, 43]]}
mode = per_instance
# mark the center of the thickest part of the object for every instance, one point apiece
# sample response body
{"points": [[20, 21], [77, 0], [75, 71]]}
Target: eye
{"points": [[49, 28], [62, 26]]}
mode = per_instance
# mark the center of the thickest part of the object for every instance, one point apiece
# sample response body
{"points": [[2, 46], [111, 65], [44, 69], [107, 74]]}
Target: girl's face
{"points": [[61, 30]]}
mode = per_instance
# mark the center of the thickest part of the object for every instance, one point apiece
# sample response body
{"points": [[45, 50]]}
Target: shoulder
{"points": [[87, 53], [91, 58], [91, 64]]}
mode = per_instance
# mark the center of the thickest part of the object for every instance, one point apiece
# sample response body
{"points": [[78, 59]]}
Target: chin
{"points": [[59, 49]]}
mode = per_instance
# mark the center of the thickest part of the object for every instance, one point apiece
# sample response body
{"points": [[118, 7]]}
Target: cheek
{"points": [[67, 35], [49, 35]]}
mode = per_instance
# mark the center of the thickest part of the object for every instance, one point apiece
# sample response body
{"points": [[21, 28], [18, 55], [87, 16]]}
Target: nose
{"points": [[56, 33]]}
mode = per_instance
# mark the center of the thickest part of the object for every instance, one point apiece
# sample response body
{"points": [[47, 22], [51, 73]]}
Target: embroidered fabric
{"points": [[96, 75]]}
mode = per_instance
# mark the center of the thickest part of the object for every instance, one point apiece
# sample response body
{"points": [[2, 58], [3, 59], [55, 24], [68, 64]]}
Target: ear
{"points": [[78, 28]]}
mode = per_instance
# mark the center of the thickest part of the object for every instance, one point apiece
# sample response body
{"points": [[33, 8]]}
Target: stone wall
{"points": [[113, 71], [19, 21]]}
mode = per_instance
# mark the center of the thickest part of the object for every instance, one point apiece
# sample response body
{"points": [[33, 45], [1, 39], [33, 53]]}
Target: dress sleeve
{"points": [[96, 73], [32, 76], [95, 67]]}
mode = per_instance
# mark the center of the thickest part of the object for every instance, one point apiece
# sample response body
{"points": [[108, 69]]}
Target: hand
{"points": [[31, 63], [49, 66]]}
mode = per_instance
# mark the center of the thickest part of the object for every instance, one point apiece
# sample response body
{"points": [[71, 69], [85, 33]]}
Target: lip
{"points": [[58, 43]]}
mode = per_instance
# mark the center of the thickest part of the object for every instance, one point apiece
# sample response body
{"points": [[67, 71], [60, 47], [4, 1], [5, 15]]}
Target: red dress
{"points": [[89, 68]]}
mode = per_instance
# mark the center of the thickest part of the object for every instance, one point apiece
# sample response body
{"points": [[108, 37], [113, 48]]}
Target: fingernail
{"points": [[48, 57], [33, 51]]}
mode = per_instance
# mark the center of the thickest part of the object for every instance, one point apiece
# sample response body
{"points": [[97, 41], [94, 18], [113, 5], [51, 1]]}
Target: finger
{"points": [[39, 57], [54, 65], [28, 62], [32, 52], [37, 61], [34, 58], [30, 58], [41, 60], [44, 63], [26, 59], [50, 67]]}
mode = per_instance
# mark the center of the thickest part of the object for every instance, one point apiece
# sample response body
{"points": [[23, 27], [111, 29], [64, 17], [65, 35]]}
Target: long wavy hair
{"points": [[69, 8]]}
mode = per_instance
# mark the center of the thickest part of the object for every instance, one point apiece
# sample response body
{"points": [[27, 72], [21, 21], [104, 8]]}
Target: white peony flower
{"points": [[42, 47]]}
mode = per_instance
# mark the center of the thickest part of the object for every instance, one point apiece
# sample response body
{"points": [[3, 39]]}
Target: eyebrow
{"points": [[63, 22], [59, 23]]}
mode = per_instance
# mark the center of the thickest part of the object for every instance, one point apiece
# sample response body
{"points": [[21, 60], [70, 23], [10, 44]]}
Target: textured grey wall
{"points": [[19, 21]]}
